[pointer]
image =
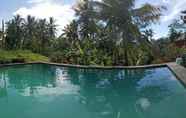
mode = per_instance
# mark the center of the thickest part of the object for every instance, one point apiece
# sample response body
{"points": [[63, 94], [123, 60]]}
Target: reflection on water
{"points": [[35, 91]]}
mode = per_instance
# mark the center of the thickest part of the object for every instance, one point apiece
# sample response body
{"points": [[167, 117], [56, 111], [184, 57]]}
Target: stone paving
{"points": [[179, 71]]}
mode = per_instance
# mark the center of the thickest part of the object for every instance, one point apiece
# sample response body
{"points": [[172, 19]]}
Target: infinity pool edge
{"points": [[177, 70], [89, 66]]}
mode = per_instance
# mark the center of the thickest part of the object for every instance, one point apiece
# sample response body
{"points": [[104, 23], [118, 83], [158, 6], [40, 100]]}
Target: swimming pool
{"points": [[46, 91]]}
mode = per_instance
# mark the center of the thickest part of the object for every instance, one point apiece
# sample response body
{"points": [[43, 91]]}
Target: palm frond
{"points": [[147, 14]]}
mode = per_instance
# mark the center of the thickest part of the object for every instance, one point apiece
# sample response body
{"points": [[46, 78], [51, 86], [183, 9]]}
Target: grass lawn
{"points": [[20, 56]]}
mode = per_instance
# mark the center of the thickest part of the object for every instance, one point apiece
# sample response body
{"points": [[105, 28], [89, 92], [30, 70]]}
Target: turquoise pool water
{"points": [[43, 91]]}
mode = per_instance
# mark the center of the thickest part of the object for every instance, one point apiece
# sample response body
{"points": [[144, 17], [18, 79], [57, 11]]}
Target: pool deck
{"points": [[178, 71]]}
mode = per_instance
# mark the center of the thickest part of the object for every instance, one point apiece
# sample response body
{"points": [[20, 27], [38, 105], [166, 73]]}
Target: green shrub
{"points": [[57, 57], [171, 52]]}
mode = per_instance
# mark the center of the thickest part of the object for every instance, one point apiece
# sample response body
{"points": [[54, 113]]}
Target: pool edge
{"points": [[177, 70], [89, 66], [106, 67]]}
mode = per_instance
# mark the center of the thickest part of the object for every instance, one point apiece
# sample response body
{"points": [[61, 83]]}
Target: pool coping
{"points": [[89, 66], [177, 70], [105, 67]]}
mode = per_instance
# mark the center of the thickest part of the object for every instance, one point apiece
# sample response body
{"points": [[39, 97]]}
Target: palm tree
{"points": [[71, 31], [2, 34], [52, 28], [42, 34], [86, 20], [124, 18], [1, 38], [14, 38], [183, 17], [19, 32], [29, 31]]}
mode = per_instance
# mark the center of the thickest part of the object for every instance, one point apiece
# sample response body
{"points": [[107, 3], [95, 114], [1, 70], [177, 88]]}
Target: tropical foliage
{"points": [[29, 33], [107, 32]]}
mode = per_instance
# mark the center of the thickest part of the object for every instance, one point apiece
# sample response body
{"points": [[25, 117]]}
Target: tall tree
{"points": [[183, 17], [42, 34], [122, 17], [173, 34], [14, 38], [86, 20], [52, 28], [29, 31], [71, 31]]}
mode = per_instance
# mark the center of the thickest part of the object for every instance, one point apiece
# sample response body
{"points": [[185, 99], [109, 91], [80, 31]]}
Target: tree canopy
{"points": [[107, 32]]}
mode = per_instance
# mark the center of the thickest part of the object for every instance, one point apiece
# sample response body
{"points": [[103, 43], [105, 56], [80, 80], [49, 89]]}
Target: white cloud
{"points": [[166, 1], [174, 9], [63, 13], [37, 1]]}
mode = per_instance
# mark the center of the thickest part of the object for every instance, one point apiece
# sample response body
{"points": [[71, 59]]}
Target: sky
{"points": [[62, 11]]}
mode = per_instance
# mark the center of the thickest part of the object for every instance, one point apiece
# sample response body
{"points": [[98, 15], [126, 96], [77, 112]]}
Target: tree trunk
{"points": [[125, 50], [126, 56]]}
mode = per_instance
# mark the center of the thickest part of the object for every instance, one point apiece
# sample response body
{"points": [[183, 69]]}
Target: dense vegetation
{"points": [[110, 32]]}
